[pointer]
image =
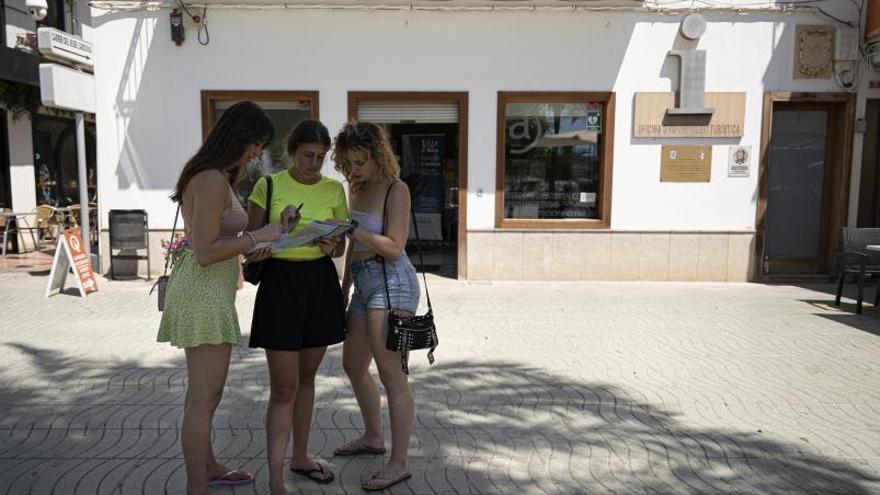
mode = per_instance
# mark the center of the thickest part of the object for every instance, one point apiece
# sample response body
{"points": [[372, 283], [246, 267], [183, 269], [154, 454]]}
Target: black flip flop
{"points": [[309, 472]]}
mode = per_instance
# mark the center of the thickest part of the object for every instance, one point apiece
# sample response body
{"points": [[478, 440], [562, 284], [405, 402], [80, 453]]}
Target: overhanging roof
{"points": [[674, 7], [423, 4]]}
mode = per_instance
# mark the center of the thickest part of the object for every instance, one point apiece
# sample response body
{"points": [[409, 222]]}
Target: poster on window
{"points": [[552, 160], [422, 168]]}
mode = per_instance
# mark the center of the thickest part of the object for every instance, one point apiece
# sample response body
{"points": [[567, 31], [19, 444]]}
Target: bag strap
{"points": [[418, 248], [421, 258], [384, 232], [268, 178], [173, 230]]}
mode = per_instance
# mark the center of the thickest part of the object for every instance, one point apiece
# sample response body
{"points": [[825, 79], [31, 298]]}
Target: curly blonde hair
{"points": [[364, 137]]}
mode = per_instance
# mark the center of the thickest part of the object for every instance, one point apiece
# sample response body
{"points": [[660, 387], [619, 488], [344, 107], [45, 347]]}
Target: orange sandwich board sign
{"points": [[71, 253]]}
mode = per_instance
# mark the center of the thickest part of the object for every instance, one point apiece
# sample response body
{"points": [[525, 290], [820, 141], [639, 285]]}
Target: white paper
{"points": [[310, 234]]}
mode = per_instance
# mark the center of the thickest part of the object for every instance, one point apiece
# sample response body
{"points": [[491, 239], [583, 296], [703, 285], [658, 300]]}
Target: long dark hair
{"points": [[306, 132], [240, 126]]}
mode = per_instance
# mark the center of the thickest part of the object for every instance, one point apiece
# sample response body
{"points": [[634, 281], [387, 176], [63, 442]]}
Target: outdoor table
{"points": [[12, 222], [873, 247]]}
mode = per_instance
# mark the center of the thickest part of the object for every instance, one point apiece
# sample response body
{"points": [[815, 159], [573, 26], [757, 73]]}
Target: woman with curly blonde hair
{"points": [[380, 203]]}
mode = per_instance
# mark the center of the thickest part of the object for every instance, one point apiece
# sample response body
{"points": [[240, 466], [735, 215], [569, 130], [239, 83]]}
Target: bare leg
{"points": [[401, 403], [284, 380], [207, 367], [356, 358], [303, 406], [212, 466]]}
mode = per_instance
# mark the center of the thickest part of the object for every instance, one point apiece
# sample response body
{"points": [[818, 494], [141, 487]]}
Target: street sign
{"points": [[54, 43], [70, 89], [70, 252]]}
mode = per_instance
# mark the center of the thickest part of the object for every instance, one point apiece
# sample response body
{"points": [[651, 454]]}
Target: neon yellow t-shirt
{"points": [[322, 200]]}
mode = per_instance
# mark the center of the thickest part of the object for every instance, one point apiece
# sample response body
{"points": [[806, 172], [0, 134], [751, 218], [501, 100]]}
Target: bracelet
{"points": [[253, 239]]}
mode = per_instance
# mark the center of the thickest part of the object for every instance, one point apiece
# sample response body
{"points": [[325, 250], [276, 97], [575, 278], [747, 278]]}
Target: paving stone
{"points": [[540, 388]]}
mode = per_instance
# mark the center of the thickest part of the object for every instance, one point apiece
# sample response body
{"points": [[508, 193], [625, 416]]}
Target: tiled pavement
{"points": [[29, 261], [539, 388]]}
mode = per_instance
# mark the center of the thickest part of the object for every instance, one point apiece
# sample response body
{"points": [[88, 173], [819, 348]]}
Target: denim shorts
{"points": [[369, 285]]}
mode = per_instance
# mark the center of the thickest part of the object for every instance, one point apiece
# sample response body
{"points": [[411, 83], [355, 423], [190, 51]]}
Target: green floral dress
{"points": [[200, 300]]}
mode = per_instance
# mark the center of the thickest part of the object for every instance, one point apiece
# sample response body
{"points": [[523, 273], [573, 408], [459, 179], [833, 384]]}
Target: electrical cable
{"points": [[710, 3], [183, 6], [204, 26]]}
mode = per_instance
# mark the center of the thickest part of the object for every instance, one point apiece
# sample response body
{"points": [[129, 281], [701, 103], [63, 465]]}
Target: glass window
{"points": [[286, 109], [552, 159], [56, 166]]}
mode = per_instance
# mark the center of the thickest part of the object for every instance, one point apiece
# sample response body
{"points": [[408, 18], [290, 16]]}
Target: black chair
{"points": [[855, 259], [129, 231]]}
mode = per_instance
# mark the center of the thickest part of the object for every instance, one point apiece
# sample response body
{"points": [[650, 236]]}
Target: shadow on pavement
{"points": [[482, 427], [868, 321]]}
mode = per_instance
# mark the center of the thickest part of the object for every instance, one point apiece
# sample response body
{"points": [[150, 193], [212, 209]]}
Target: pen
{"points": [[298, 208]]}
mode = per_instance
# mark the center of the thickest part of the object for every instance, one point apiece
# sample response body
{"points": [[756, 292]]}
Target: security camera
{"points": [[38, 9]]}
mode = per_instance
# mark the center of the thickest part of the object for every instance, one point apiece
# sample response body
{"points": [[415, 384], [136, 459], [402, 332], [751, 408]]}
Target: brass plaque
{"points": [[685, 163], [651, 120]]}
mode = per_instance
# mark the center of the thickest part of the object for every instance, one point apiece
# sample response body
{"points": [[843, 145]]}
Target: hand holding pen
{"points": [[290, 217]]}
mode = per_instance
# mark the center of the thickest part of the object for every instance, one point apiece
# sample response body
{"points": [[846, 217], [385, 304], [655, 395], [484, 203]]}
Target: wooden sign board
{"points": [[651, 120], [685, 163], [70, 252]]}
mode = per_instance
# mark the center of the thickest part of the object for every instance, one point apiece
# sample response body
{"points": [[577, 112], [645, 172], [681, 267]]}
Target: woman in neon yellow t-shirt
{"points": [[299, 309]]}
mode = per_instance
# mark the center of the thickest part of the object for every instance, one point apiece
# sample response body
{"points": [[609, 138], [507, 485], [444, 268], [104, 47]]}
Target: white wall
{"points": [[149, 115]]}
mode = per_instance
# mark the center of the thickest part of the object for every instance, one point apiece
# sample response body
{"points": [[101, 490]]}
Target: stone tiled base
{"points": [[617, 256], [551, 256], [541, 388]]}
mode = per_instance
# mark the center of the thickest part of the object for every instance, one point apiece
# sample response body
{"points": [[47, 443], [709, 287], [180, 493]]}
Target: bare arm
{"points": [[391, 245], [208, 192], [256, 216]]}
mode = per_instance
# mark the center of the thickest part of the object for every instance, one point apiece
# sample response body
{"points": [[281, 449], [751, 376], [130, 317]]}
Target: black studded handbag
{"points": [[409, 333]]}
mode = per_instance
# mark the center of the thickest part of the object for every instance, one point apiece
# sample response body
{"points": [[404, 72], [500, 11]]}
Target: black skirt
{"points": [[299, 305]]}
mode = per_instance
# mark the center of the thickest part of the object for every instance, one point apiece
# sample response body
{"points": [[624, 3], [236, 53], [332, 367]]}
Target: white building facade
{"points": [[533, 117], [38, 154]]}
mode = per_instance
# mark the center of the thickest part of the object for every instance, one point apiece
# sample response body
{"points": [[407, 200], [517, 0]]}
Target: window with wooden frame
{"points": [[286, 109], [554, 160]]}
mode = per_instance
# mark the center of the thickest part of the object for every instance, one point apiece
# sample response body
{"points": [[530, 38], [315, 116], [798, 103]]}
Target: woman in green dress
{"points": [[200, 314]]}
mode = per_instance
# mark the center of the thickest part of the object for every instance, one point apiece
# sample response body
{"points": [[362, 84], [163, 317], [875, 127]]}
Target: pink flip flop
{"points": [[232, 478], [386, 482]]}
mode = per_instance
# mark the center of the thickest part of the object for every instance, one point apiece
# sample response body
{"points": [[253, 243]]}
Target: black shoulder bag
{"points": [[408, 333], [253, 270], [162, 282]]}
